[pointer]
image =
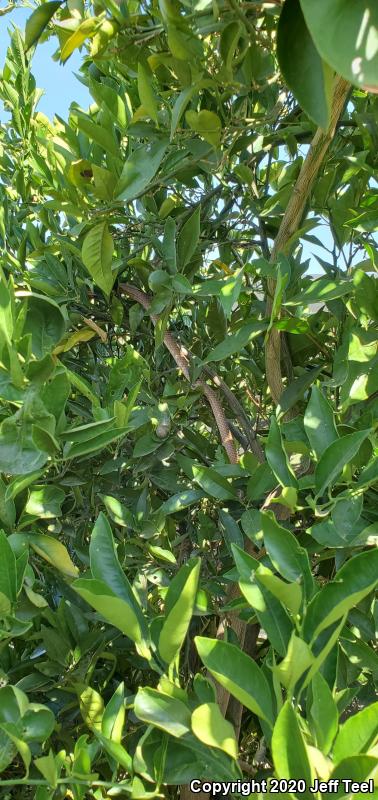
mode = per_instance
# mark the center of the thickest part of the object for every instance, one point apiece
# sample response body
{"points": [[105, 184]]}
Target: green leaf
{"points": [[188, 238], [167, 713], [269, 611], [139, 170], [319, 422], [6, 313], [228, 43], [297, 660], [320, 291], [352, 583], [232, 532], [146, 92], [357, 769], [119, 513], [277, 458], [207, 124], [44, 321], [84, 433], [75, 449], [235, 342], [116, 751], [115, 104], [357, 734], [335, 457], [178, 611], [7, 507], [286, 555], [208, 479], [290, 594], [113, 717], [324, 713], [107, 569], [97, 254], [309, 78], [369, 474], [180, 501], [38, 21], [8, 750], [45, 502], [354, 27], [85, 30], [116, 611], [8, 577], [38, 723], [104, 137], [82, 386], [212, 729], [19, 484], [47, 767], [296, 389], [289, 750], [180, 105], [23, 748], [237, 673]]}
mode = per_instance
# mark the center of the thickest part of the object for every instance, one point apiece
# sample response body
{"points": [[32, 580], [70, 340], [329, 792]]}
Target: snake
{"points": [[182, 357]]}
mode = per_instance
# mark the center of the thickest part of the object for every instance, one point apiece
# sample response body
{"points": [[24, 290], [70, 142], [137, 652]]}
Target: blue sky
{"points": [[58, 81], [61, 88]]}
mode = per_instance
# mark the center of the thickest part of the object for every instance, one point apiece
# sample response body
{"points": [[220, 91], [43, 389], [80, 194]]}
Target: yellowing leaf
{"points": [[212, 729], [207, 124], [83, 335], [86, 30], [91, 707], [54, 552], [97, 252]]}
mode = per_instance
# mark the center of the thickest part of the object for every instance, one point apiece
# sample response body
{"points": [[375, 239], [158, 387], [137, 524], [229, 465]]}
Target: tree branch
{"points": [[290, 223]]}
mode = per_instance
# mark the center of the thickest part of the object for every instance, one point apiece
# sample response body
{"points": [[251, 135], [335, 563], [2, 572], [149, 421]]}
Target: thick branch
{"points": [[291, 221]]}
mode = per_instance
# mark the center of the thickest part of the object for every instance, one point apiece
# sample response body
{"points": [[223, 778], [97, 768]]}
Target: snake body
{"points": [[182, 358]]}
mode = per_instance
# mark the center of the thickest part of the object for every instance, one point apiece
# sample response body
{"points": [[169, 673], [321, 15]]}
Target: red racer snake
{"points": [[182, 359]]}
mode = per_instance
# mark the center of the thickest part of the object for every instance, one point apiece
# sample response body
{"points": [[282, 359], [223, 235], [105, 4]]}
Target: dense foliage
{"points": [[188, 449]]}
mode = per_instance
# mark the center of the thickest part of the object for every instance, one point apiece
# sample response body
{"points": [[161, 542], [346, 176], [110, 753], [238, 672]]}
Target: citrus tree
{"points": [[188, 449]]}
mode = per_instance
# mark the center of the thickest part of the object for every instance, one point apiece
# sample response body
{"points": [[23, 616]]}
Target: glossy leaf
{"points": [[139, 170], [324, 714], [289, 750], [116, 611], [178, 610], [319, 422], [145, 91], [306, 74], [163, 711], [276, 456], [352, 583], [354, 26], [237, 673], [38, 21], [236, 342], [335, 457], [97, 253], [287, 556], [357, 734], [208, 479], [188, 238], [212, 729], [296, 662]]}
